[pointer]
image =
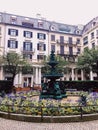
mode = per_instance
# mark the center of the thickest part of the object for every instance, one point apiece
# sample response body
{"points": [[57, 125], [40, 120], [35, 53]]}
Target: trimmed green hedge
{"points": [[5, 86], [79, 85]]}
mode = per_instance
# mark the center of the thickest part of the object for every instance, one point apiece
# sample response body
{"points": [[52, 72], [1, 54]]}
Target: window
{"points": [[70, 51], [70, 40], [26, 24], [13, 32], [92, 35], [12, 44], [78, 50], [52, 37], [53, 48], [27, 46], [93, 45], [61, 49], [13, 19], [0, 30], [41, 46], [41, 36], [40, 57], [61, 39], [0, 41], [97, 32], [40, 24], [28, 56], [85, 40], [78, 41], [27, 34]]}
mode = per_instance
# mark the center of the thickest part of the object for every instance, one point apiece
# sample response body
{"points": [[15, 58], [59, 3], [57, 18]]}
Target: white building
{"points": [[35, 38]]}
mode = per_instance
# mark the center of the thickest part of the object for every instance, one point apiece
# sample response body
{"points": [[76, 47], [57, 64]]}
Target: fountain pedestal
{"points": [[52, 88]]}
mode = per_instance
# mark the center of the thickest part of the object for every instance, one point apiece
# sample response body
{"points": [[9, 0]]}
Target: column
{"points": [[39, 80], [20, 79], [1, 73], [72, 71], [91, 75], [76, 75], [16, 81], [67, 75], [36, 76], [32, 80], [82, 75]]}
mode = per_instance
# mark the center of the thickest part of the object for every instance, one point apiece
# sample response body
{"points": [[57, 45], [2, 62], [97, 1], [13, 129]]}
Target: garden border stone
{"points": [[49, 119]]}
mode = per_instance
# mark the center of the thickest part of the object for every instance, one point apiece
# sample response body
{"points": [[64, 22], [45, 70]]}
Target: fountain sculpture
{"points": [[52, 89]]}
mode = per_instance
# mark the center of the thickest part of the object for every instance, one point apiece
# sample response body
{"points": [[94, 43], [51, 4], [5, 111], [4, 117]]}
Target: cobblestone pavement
{"points": [[18, 125]]}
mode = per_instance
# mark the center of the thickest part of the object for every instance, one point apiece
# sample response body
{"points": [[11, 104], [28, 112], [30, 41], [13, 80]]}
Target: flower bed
{"points": [[29, 103]]}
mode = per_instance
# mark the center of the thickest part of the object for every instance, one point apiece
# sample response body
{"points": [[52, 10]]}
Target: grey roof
{"points": [[47, 25], [90, 24]]}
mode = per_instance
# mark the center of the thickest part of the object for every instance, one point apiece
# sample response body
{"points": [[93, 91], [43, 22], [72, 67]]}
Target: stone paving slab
{"points": [[6, 124]]}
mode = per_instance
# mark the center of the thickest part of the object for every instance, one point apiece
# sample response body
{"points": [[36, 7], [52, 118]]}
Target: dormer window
{"points": [[27, 24], [40, 24], [13, 19], [93, 24], [77, 32]]}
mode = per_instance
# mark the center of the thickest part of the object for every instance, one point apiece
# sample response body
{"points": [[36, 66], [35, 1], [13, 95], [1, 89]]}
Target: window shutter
{"points": [[8, 43], [44, 47], [38, 35], [38, 57], [16, 32], [9, 31], [38, 46], [31, 34], [16, 44], [30, 56], [23, 45], [31, 46], [24, 33], [44, 36]]}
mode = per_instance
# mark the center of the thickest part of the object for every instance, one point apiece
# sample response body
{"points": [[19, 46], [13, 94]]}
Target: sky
{"points": [[72, 12]]}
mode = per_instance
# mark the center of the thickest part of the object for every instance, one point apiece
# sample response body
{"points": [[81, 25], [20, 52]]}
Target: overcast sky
{"points": [[64, 11]]}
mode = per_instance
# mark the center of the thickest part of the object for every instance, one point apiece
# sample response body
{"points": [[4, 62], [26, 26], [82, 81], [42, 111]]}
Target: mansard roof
{"points": [[47, 25], [90, 24]]}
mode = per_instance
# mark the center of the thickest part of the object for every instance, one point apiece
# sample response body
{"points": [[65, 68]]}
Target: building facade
{"points": [[34, 39]]}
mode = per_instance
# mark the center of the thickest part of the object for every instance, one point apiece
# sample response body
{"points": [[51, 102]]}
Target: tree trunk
{"points": [[13, 77]]}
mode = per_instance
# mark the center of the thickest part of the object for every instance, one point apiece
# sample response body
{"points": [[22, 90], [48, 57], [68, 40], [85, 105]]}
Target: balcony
{"points": [[74, 43], [24, 51], [66, 53]]}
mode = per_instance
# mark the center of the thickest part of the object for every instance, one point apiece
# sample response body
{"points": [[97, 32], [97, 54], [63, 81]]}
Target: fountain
{"points": [[52, 88]]}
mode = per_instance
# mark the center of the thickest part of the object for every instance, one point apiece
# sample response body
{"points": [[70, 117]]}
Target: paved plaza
{"points": [[6, 124]]}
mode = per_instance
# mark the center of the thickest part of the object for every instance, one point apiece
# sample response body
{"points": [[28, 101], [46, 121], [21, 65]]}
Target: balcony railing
{"points": [[66, 53], [28, 51], [73, 43]]}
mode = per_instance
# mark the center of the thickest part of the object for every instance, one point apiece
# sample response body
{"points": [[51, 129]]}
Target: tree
{"points": [[88, 60], [14, 63], [60, 66]]}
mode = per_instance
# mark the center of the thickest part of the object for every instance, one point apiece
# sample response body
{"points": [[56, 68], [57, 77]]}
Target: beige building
{"points": [[34, 38], [67, 43], [90, 39]]}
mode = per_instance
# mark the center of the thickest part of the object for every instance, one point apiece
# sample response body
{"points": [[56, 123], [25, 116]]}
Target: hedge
{"points": [[79, 85]]}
